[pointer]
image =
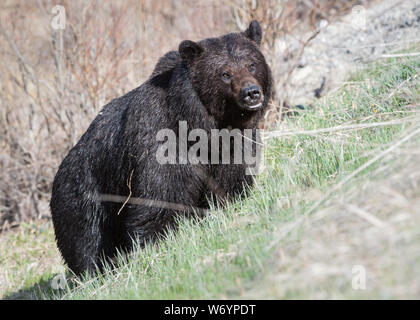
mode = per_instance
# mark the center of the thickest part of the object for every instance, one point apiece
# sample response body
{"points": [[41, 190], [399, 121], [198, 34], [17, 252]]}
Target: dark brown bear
{"points": [[215, 83]]}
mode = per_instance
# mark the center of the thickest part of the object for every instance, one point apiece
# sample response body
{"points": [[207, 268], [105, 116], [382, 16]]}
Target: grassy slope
{"points": [[310, 218]]}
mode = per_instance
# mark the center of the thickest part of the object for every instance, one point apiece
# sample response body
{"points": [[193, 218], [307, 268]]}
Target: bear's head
{"points": [[229, 73]]}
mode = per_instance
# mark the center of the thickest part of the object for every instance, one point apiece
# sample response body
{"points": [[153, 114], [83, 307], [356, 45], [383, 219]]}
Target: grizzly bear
{"points": [[112, 190]]}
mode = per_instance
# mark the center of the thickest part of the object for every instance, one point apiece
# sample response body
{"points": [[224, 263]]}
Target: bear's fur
{"points": [[207, 84]]}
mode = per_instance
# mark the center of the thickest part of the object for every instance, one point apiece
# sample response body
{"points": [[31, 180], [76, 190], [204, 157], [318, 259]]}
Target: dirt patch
{"points": [[344, 45]]}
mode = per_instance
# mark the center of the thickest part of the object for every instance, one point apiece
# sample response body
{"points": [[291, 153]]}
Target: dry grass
{"points": [[374, 223]]}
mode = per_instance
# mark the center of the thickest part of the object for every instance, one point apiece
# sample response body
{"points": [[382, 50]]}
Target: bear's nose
{"points": [[251, 93]]}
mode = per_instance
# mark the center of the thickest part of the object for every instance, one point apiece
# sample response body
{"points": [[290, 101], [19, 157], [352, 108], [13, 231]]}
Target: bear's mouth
{"points": [[253, 107]]}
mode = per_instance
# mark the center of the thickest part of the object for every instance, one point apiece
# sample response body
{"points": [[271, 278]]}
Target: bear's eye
{"points": [[251, 67], [226, 76]]}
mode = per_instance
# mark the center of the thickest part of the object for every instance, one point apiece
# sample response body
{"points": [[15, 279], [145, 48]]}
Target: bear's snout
{"points": [[250, 96]]}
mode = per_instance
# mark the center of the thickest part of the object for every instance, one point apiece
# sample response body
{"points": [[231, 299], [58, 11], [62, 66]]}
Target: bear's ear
{"points": [[189, 50], [254, 32]]}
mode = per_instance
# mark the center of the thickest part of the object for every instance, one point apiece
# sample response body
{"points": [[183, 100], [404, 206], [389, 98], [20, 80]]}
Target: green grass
{"points": [[28, 255], [262, 246]]}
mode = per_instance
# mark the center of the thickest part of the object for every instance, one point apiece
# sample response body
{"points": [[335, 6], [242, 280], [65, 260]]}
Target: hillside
{"points": [[333, 215]]}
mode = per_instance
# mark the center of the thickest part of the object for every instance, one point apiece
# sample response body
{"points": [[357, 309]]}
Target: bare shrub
{"points": [[52, 85]]}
